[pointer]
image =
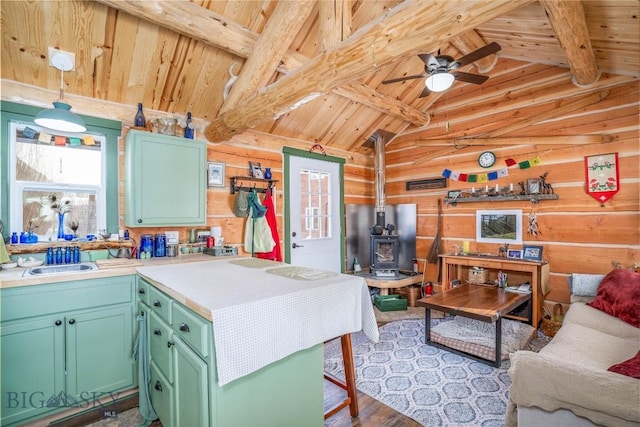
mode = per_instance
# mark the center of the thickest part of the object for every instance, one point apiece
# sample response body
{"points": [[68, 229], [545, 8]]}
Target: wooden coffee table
{"points": [[484, 303]]}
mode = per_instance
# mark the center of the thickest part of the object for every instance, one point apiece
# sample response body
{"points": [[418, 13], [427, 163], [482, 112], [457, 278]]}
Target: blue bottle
{"points": [[59, 257], [139, 120], [67, 255], [188, 130], [14, 238], [76, 254], [50, 256], [23, 237]]}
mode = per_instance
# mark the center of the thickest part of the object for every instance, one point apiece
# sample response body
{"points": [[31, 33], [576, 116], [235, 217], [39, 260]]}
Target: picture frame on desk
{"points": [[532, 253], [514, 253]]}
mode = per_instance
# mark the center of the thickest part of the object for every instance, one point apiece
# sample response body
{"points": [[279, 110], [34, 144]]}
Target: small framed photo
{"points": [[255, 170], [514, 254], [532, 253], [215, 174], [533, 186]]}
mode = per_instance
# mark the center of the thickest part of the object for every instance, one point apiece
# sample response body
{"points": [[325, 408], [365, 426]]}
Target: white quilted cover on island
{"points": [[264, 311]]}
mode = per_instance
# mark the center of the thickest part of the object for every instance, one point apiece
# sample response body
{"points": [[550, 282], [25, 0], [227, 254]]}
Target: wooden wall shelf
{"points": [[533, 198], [258, 184]]}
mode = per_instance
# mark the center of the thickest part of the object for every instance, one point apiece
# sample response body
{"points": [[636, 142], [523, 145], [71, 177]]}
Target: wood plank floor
{"points": [[372, 412]]}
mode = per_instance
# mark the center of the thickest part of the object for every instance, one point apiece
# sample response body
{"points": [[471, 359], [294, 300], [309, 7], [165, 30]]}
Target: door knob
{"points": [[295, 245]]}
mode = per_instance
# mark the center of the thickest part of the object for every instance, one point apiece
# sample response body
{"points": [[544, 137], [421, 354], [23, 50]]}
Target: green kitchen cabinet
{"points": [[184, 386], [65, 345], [32, 367], [165, 180]]}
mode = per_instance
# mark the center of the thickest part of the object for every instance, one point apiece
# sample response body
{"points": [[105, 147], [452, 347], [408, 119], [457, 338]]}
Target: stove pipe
{"points": [[379, 166]]}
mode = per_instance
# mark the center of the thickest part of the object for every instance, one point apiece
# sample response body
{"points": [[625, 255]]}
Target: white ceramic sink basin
{"points": [[57, 269]]}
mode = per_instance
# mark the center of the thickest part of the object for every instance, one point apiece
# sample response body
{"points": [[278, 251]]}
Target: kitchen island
{"points": [[239, 341]]}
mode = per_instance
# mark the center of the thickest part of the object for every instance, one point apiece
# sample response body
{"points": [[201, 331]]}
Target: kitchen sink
{"points": [[57, 269]]}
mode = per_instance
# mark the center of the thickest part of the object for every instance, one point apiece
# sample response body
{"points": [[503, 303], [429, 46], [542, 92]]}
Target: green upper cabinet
{"points": [[165, 180]]}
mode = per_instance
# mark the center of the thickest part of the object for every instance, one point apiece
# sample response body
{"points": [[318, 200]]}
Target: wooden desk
{"points": [[518, 271]]}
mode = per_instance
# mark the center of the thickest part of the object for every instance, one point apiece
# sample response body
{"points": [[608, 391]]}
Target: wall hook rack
{"points": [[259, 184]]}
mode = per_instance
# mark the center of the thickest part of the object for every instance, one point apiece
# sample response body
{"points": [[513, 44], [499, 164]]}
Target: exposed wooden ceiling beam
{"points": [[196, 22], [570, 26], [523, 140], [334, 19], [281, 28], [407, 28], [365, 95]]}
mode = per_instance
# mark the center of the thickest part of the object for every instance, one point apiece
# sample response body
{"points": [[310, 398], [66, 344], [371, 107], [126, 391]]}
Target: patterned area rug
{"points": [[430, 385]]}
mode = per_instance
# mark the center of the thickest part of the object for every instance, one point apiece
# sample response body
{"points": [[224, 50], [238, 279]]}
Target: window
{"points": [[315, 202], [70, 167]]}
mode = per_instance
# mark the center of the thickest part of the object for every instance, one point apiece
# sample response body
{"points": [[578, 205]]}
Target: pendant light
{"points": [[60, 118]]}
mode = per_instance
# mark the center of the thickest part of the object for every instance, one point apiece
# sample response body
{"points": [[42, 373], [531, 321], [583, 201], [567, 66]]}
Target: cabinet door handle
{"points": [[169, 344], [156, 303], [58, 322], [72, 321], [139, 221], [157, 332], [141, 291], [158, 386], [184, 327]]}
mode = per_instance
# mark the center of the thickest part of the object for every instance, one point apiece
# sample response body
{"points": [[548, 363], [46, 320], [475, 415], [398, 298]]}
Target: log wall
{"points": [[577, 234]]}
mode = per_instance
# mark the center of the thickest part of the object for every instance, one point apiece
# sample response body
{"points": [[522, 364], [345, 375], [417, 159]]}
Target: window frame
{"points": [[24, 114]]}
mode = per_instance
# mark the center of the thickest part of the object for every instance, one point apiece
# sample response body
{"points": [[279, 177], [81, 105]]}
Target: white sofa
{"points": [[567, 383]]}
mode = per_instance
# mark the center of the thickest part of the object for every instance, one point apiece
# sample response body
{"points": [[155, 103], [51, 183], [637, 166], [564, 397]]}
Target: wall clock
{"points": [[487, 159]]}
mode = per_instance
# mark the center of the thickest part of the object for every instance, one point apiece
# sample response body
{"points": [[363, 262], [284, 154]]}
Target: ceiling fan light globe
{"points": [[439, 82]]}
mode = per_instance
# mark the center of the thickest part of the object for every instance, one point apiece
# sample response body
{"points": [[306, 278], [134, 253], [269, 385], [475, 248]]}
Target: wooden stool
{"points": [[350, 380]]}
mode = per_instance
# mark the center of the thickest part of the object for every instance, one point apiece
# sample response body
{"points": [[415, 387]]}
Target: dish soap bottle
{"points": [[188, 129], [139, 120]]}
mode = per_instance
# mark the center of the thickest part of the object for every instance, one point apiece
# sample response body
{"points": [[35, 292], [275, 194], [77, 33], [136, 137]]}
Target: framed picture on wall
{"points": [[532, 253], [514, 253], [215, 174], [255, 170], [499, 226], [533, 186]]}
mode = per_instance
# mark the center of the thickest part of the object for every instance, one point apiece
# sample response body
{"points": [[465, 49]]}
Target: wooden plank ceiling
{"points": [[313, 70]]}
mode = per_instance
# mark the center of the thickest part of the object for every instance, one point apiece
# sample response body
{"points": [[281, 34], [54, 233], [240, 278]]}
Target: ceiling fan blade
{"points": [[425, 92], [470, 78], [479, 54], [400, 79], [429, 60]]}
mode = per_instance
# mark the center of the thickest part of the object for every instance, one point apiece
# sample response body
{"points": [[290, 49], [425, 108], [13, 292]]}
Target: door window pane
{"points": [[315, 204]]}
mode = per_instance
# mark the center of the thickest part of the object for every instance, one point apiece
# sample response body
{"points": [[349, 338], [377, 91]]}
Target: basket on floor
{"points": [[551, 325]]}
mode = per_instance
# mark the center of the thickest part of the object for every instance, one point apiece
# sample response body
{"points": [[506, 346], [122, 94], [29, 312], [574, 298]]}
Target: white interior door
{"points": [[314, 222]]}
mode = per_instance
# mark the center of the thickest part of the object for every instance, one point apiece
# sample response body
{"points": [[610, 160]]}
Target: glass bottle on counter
{"points": [[50, 258], [67, 255], [139, 120], [59, 256], [76, 254]]}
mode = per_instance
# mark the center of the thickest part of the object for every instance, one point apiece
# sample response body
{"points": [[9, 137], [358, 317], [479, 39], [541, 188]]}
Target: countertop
{"points": [[14, 277]]}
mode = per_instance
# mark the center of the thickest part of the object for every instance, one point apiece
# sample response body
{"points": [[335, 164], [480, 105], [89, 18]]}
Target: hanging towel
{"points": [[257, 235], [141, 353], [276, 253]]}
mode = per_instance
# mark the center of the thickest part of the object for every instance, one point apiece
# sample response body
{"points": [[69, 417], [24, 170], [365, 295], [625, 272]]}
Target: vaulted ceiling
{"points": [[313, 70]]}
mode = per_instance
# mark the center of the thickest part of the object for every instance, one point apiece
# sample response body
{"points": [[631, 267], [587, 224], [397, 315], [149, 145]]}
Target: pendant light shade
{"points": [[439, 82], [60, 118]]}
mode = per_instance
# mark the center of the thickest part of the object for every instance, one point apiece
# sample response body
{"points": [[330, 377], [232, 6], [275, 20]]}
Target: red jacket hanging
{"points": [[276, 253]]}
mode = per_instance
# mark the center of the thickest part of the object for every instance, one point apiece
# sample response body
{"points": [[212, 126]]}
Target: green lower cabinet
{"points": [[65, 345], [191, 387], [184, 386], [32, 367], [99, 347]]}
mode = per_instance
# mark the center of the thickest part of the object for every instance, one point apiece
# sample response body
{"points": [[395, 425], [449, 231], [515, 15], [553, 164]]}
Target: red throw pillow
{"points": [[630, 368], [619, 295]]}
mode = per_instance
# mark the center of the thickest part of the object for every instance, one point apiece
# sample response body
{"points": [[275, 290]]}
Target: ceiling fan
{"points": [[440, 70]]}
